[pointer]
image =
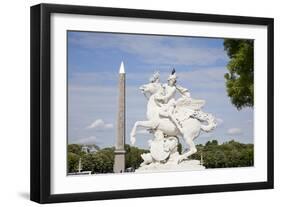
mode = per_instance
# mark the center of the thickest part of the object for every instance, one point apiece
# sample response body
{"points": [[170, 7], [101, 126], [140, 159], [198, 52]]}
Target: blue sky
{"points": [[93, 64]]}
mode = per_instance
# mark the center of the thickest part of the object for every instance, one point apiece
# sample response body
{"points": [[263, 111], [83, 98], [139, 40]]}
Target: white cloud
{"points": [[203, 78], [99, 124], [154, 49], [207, 78], [234, 131], [219, 121], [86, 140]]}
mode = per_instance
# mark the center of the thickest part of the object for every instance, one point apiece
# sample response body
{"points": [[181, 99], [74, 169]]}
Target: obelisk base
{"points": [[119, 161]]}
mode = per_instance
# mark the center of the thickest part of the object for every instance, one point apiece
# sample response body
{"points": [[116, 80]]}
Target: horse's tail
{"points": [[205, 117]]}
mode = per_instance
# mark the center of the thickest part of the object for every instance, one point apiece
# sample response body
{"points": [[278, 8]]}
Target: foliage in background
{"points": [[75, 149], [101, 161], [133, 156], [240, 78], [228, 154], [72, 162]]}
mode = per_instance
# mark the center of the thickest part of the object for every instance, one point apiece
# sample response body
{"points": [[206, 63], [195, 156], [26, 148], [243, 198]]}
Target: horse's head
{"points": [[151, 88]]}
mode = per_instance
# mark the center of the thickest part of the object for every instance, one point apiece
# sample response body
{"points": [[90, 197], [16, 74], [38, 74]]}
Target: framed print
{"points": [[132, 103]]}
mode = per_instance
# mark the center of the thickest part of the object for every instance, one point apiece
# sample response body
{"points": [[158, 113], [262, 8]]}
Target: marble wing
{"points": [[185, 103]]}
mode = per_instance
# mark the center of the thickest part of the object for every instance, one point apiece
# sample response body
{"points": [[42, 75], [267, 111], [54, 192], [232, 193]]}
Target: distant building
{"points": [[85, 149], [92, 149], [89, 149]]}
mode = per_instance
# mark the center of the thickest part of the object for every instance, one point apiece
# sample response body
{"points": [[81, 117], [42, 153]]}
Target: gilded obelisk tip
{"points": [[122, 68]]}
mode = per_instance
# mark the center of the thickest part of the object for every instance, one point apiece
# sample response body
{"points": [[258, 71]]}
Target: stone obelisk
{"points": [[119, 159]]}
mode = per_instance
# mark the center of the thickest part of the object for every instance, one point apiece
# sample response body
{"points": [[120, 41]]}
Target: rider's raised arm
{"points": [[183, 91]]}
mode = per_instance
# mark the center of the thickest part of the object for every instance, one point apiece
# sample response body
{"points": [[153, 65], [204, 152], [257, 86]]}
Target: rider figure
{"points": [[167, 98]]}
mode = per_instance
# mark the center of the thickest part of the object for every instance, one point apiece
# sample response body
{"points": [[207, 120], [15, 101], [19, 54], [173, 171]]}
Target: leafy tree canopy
{"points": [[214, 155], [228, 154], [72, 162], [240, 78], [75, 149]]}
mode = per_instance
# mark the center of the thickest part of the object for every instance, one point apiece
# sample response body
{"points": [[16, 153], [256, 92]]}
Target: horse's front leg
{"points": [[145, 124]]}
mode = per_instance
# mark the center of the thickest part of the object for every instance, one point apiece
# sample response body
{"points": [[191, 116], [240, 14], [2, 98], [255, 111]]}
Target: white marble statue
{"points": [[168, 119]]}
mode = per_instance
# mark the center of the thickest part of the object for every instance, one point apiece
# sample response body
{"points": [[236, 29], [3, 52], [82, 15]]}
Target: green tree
{"points": [[240, 78], [72, 162], [104, 163], [197, 156], [212, 143], [133, 156], [99, 162], [74, 148], [228, 154]]}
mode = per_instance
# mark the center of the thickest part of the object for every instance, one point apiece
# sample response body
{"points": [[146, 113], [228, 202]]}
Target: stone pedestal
{"points": [[187, 165], [164, 156], [119, 161]]}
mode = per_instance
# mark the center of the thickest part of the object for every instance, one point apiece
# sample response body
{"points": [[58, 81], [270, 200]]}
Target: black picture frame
{"points": [[41, 102]]}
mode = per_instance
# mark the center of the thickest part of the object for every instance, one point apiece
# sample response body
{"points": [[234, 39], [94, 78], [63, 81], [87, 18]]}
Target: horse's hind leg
{"points": [[192, 148]]}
